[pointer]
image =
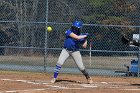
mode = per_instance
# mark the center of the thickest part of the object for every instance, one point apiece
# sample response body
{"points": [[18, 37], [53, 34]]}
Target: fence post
{"points": [[46, 24], [139, 56]]}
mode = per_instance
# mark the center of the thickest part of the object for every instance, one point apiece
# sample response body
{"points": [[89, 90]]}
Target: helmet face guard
{"points": [[75, 30]]}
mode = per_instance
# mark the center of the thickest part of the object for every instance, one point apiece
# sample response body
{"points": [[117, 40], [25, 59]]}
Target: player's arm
{"points": [[77, 37]]}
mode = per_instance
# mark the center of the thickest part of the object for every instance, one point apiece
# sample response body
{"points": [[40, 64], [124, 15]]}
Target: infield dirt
{"points": [[28, 82]]}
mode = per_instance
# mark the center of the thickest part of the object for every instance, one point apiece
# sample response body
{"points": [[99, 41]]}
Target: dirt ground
{"points": [[29, 82]]}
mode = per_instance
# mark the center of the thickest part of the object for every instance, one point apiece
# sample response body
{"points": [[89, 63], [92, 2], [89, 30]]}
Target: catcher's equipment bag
{"points": [[134, 66]]}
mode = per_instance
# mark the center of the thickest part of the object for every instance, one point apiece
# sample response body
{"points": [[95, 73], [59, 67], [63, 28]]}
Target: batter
{"points": [[71, 48]]}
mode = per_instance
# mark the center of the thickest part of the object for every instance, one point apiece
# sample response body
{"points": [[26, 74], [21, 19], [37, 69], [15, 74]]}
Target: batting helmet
{"points": [[77, 24]]}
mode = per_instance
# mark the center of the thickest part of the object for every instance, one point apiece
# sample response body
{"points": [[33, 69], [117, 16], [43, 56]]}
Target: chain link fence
{"points": [[26, 44]]}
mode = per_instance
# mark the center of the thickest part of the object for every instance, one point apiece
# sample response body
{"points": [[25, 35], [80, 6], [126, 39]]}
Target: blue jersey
{"points": [[71, 43]]}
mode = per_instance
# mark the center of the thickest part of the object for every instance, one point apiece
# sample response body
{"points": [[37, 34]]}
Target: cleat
{"points": [[53, 80], [89, 80]]}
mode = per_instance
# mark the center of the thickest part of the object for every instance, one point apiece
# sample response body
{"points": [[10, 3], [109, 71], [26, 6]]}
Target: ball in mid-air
{"points": [[49, 29]]}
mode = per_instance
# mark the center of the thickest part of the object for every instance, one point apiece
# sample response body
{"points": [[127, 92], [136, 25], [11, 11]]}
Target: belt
{"points": [[73, 50]]}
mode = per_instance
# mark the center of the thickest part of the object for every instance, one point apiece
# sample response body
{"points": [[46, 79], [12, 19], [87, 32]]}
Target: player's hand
{"points": [[85, 44], [87, 34]]}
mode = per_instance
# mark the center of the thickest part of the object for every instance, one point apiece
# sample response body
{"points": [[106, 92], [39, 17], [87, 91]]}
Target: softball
{"points": [[49, 29]]}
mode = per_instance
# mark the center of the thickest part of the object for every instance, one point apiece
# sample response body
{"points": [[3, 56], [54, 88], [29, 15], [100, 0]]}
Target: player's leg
{"points": [[78, 59], [62, 58]]}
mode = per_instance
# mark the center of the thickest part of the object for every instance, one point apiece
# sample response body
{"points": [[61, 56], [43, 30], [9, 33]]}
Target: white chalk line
{"points": [[27, 81], [44, 89], [32, 90], [131, 89], [50, 86]]}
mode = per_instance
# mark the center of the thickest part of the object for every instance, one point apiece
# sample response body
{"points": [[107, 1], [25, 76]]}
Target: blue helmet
{"points": [[77, 24]]}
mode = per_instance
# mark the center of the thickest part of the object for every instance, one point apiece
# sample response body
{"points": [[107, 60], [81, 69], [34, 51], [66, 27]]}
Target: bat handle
{"points": [[90, 50]]}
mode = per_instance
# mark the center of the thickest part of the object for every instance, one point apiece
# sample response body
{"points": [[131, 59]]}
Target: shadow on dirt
{"points": [[70, 81], [135, 84]]}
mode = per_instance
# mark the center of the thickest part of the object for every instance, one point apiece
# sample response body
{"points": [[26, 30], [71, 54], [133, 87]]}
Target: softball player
{"points": [[71, 48]]}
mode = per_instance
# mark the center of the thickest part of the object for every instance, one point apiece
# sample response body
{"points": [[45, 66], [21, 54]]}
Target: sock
{"points": [[56, 71], [85, 74]]}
